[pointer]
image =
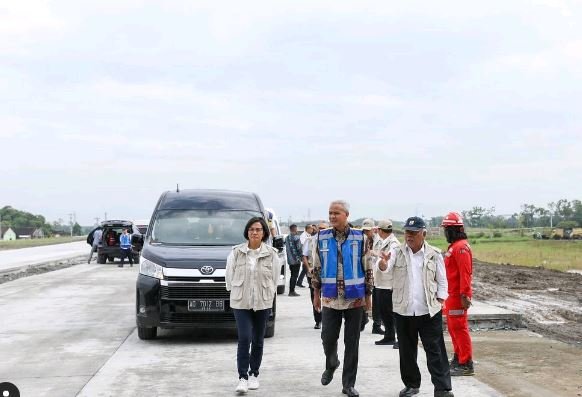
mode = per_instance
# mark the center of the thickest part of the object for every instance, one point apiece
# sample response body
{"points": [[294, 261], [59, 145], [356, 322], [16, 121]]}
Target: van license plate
{"points": [[206, 305]]}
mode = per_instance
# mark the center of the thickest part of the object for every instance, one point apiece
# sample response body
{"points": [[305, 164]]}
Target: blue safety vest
{"points": [[352, 251]]}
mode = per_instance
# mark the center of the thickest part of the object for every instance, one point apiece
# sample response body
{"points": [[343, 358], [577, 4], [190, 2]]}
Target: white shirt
{"points": [[252, 256], [307, 247], [417, 305], [304, 236]]}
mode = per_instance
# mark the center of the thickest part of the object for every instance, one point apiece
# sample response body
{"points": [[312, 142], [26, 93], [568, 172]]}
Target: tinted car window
{"points": [[200, 227]]}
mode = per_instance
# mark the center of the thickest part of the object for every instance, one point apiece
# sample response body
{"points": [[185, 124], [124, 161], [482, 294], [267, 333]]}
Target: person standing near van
{"points": [[97, 234], [252, 271], [125, 246]]}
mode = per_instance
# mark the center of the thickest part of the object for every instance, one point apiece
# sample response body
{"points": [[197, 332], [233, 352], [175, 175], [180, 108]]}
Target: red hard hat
{"points": [[452, 219]]}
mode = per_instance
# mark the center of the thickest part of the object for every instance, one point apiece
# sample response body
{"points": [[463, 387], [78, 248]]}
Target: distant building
{"points": [[7, 234]]}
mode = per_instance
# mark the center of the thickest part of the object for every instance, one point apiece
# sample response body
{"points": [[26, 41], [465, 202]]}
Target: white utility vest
{"points": [[401, 287]]}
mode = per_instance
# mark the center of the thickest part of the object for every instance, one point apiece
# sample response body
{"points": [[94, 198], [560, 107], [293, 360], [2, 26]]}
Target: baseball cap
{"points": [[414, 223], [368, 224], [385, 224]]}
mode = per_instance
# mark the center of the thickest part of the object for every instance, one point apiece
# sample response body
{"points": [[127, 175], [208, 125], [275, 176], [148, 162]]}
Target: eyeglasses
{"points": [[260, 230]]}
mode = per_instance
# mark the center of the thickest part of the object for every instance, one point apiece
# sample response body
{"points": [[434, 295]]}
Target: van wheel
{"points": [[147, 333], [270, 331], [102, 259]]}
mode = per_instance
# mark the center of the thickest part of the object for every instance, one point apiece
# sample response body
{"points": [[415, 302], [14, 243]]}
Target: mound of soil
{"points": [[550, 300]]}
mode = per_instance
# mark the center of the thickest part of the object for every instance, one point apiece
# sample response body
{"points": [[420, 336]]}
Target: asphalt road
{"points": [[28, 256], [72, 332]]}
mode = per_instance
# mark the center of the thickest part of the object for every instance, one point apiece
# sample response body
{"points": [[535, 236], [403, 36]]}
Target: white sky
{"points": [[398, 107]]}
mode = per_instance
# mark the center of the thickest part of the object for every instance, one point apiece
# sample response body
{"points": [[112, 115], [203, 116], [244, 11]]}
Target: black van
{"points": [[181, 281]]}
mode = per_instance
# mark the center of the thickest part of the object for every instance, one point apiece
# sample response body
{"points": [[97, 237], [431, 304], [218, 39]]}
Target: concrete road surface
{"points": [[10, 259], [72, 332]]}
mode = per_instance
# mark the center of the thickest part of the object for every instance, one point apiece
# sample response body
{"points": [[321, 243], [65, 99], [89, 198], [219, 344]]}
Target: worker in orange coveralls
{"points": [[459, 267]]}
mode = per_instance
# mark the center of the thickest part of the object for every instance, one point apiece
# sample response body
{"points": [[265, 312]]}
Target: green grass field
{"points": [[552, 254], [14, 244]]}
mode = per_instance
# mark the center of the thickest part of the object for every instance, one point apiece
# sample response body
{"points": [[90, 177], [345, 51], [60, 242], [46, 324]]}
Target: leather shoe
{"points": [[350, 391], [317, 326], [385, 342], [293, 293], [408, 391], [443, 393], [376, 329], [396, 345], [327, 375]]}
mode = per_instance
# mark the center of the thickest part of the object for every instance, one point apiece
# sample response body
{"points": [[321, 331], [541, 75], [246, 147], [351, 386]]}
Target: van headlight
{"points": [[151, 269]]}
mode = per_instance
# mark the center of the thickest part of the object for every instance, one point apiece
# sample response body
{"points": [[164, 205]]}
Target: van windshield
{"points": [[200, 227]]}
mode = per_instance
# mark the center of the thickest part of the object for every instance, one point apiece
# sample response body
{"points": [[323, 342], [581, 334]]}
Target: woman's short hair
{"points": [[264, 225]]}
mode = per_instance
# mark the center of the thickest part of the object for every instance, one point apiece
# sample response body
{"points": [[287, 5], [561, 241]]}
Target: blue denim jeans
{"points": [[251, 326]]}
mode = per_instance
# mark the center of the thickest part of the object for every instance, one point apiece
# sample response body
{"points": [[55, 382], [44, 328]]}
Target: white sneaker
{"points": [[253, 382], [243, 386]]}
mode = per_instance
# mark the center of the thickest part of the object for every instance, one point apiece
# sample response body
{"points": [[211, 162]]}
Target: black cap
{"points": [[414, 223]]}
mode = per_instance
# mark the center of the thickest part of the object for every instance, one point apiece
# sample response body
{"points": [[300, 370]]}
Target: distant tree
{"points": [[527, 215], [577, 211], [16, 218], [76, 229], [564, 209], [567, 224]]}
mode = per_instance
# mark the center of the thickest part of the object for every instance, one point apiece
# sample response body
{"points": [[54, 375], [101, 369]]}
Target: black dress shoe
{"points": [[396, 345], [408, 391], [443, 393], [293, 293], [376, 329], [317, 326], [350, 391], [327, 375], [385, 342]]}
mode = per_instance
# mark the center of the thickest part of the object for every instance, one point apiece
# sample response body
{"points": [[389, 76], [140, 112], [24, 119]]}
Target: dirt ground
{"points": [[545, 359], [525, 364], [550, 301]]}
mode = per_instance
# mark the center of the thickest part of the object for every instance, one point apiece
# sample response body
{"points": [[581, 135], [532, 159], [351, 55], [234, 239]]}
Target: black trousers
{"points": [[376, 307], [316, 314], [301, 275], [293, 278], [330, 329], [430, 330], [386, 313], [126, 253]]}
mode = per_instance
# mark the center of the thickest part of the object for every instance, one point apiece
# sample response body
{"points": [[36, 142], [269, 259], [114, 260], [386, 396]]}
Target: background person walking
{"points": [[252, 271], [294, 257], [383, 284]]}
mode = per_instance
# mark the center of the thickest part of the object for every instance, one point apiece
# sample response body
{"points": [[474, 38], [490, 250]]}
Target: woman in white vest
{"points": [[252, 270]]}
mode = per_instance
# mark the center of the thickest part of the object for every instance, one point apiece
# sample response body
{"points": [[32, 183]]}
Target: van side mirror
{"points": [[278, 243]]}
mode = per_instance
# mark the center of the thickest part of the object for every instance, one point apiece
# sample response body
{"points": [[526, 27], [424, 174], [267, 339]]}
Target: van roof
{"points": [[207, 199]]}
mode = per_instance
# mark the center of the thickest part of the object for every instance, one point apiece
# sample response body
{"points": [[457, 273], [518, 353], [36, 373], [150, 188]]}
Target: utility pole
{"points": [[105, 218], [71, 222]]}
